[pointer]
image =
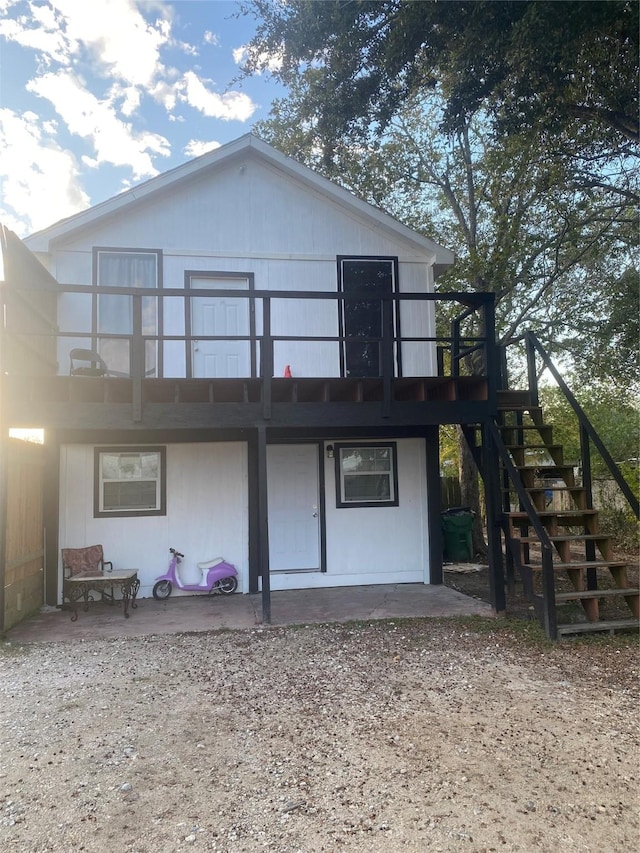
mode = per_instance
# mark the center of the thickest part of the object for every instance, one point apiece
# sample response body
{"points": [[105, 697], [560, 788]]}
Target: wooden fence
{"points": [[450, 492], [24, 551]]}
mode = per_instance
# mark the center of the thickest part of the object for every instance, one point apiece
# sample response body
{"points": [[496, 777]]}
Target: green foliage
{"points": [[615, 416], [552, 66], [622, 525], [520, 226]]}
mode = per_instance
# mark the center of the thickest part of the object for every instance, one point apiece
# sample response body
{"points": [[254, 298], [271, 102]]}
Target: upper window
{"points": [[134, 268], [366, 475], [130, 481], [362, 319]]}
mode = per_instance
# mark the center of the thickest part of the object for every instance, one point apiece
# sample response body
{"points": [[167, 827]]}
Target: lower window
{"points": [[366, 475], [129, 481]]}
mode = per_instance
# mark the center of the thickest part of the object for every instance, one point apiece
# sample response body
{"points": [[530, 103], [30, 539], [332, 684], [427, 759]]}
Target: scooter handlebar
{"points": [[177, 553]]}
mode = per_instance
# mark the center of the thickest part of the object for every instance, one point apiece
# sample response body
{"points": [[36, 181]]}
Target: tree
{"points": [[495, 128], [555, 253], [552, 66]]}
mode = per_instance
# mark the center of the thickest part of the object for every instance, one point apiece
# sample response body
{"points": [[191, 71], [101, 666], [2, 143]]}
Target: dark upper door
{"points": [[362, 319]]}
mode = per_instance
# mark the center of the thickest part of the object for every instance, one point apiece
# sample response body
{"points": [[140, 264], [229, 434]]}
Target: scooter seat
{"points": [[209, 564]]}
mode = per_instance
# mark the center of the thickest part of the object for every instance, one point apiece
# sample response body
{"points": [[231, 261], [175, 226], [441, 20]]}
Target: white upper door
{"points": [[294, 507], [222, 316]]}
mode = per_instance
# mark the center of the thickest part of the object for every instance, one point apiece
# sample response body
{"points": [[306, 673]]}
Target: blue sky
{"points": [[98, 95]]}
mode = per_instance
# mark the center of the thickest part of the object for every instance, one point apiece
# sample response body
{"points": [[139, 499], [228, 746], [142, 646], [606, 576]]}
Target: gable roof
{"points": [[41, 241]]}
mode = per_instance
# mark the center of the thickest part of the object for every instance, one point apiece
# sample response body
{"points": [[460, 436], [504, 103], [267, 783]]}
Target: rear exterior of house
{"points": [[274, 382]]}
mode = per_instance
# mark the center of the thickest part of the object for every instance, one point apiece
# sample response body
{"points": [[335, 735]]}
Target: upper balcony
{"points": [[223, 358], [236, 357]]}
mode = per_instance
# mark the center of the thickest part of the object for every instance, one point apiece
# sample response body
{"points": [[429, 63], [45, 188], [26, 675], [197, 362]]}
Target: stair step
{"points": [[593, 627], [511, 396], [581, 564], [563, 488], [548, 447], [595, 593], [578, 537], [547, 470], [559, 514]]}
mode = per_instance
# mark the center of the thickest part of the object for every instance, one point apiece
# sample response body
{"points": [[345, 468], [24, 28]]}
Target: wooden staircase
{"points": [[586, 574]]}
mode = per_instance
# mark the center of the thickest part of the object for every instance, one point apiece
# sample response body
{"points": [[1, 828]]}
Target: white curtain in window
{"points": [[115, 313]]}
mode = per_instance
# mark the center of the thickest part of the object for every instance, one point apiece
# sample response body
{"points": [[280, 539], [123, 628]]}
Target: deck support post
{"points": [[493, 498], [263, 525], [51, 515], [4, 464], [434, 504]]}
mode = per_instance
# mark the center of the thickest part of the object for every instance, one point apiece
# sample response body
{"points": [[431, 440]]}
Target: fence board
{"points": [[24, 552]]}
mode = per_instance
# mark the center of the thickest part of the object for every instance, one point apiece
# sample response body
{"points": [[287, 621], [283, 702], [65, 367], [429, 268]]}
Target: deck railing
{"points": [[469, 347]]}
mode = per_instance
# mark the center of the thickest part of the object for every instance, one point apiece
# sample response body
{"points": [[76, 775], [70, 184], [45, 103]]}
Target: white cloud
{"points": [[117, 36], [211, 38], [196, 147], [230, 106], [50, 42], [39, 178], [113, 140], [265, 61]]}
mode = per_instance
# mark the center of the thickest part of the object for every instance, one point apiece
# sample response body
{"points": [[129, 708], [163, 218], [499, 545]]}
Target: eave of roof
{"points": [[41, 241]]}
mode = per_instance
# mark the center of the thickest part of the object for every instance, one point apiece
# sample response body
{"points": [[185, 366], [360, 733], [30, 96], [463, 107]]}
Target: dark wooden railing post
{"points": [[491, 360], [531, 371], [549, 592], [455, 348], [587, 483], [137, 358], [387, 355], [266, 359]]}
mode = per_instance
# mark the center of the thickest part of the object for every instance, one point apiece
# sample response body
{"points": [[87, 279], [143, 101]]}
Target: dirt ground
{"points": [[399, 735]]}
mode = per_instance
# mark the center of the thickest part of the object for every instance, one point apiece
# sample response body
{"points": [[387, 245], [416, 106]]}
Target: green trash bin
{"points": [[456, 528]]}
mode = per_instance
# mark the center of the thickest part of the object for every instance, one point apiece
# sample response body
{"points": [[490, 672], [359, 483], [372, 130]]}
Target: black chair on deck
{"points": [[87, 362]]}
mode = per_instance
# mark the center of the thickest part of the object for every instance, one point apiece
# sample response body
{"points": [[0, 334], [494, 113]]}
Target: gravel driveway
{"points": [[405, 735]]}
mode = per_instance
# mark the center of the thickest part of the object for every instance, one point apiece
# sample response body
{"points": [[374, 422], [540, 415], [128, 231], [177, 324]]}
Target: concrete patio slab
{"points": [[211, 613]]}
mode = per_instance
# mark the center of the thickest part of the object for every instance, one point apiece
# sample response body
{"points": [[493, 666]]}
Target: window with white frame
{"points": [[366, 475], [130, 481]]}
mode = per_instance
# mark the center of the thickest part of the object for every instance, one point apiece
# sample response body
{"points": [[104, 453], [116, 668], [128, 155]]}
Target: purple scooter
{"points": [[217, 576]]}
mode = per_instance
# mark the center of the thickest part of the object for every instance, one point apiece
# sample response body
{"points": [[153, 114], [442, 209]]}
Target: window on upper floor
{"points": [[114, 314]]}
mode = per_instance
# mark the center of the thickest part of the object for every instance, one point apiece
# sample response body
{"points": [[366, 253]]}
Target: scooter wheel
{"points": [[228, 585], [162, 590]]}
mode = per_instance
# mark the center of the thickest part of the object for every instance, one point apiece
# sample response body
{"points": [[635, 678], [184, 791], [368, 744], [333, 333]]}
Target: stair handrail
{"points": [[548, 579], [533, 344]]}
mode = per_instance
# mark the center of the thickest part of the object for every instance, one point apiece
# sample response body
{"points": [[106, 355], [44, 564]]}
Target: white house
{"points": [[255, 405]]}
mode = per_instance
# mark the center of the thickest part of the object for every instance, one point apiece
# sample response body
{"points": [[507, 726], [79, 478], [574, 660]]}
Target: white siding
{"points": [[244, 209], [375, 545], [207, 516], [248, 216], [207, 499]]}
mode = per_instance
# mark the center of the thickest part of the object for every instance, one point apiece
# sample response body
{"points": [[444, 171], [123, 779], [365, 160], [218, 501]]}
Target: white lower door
{"points": [[221, 316], [294, 507]]}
